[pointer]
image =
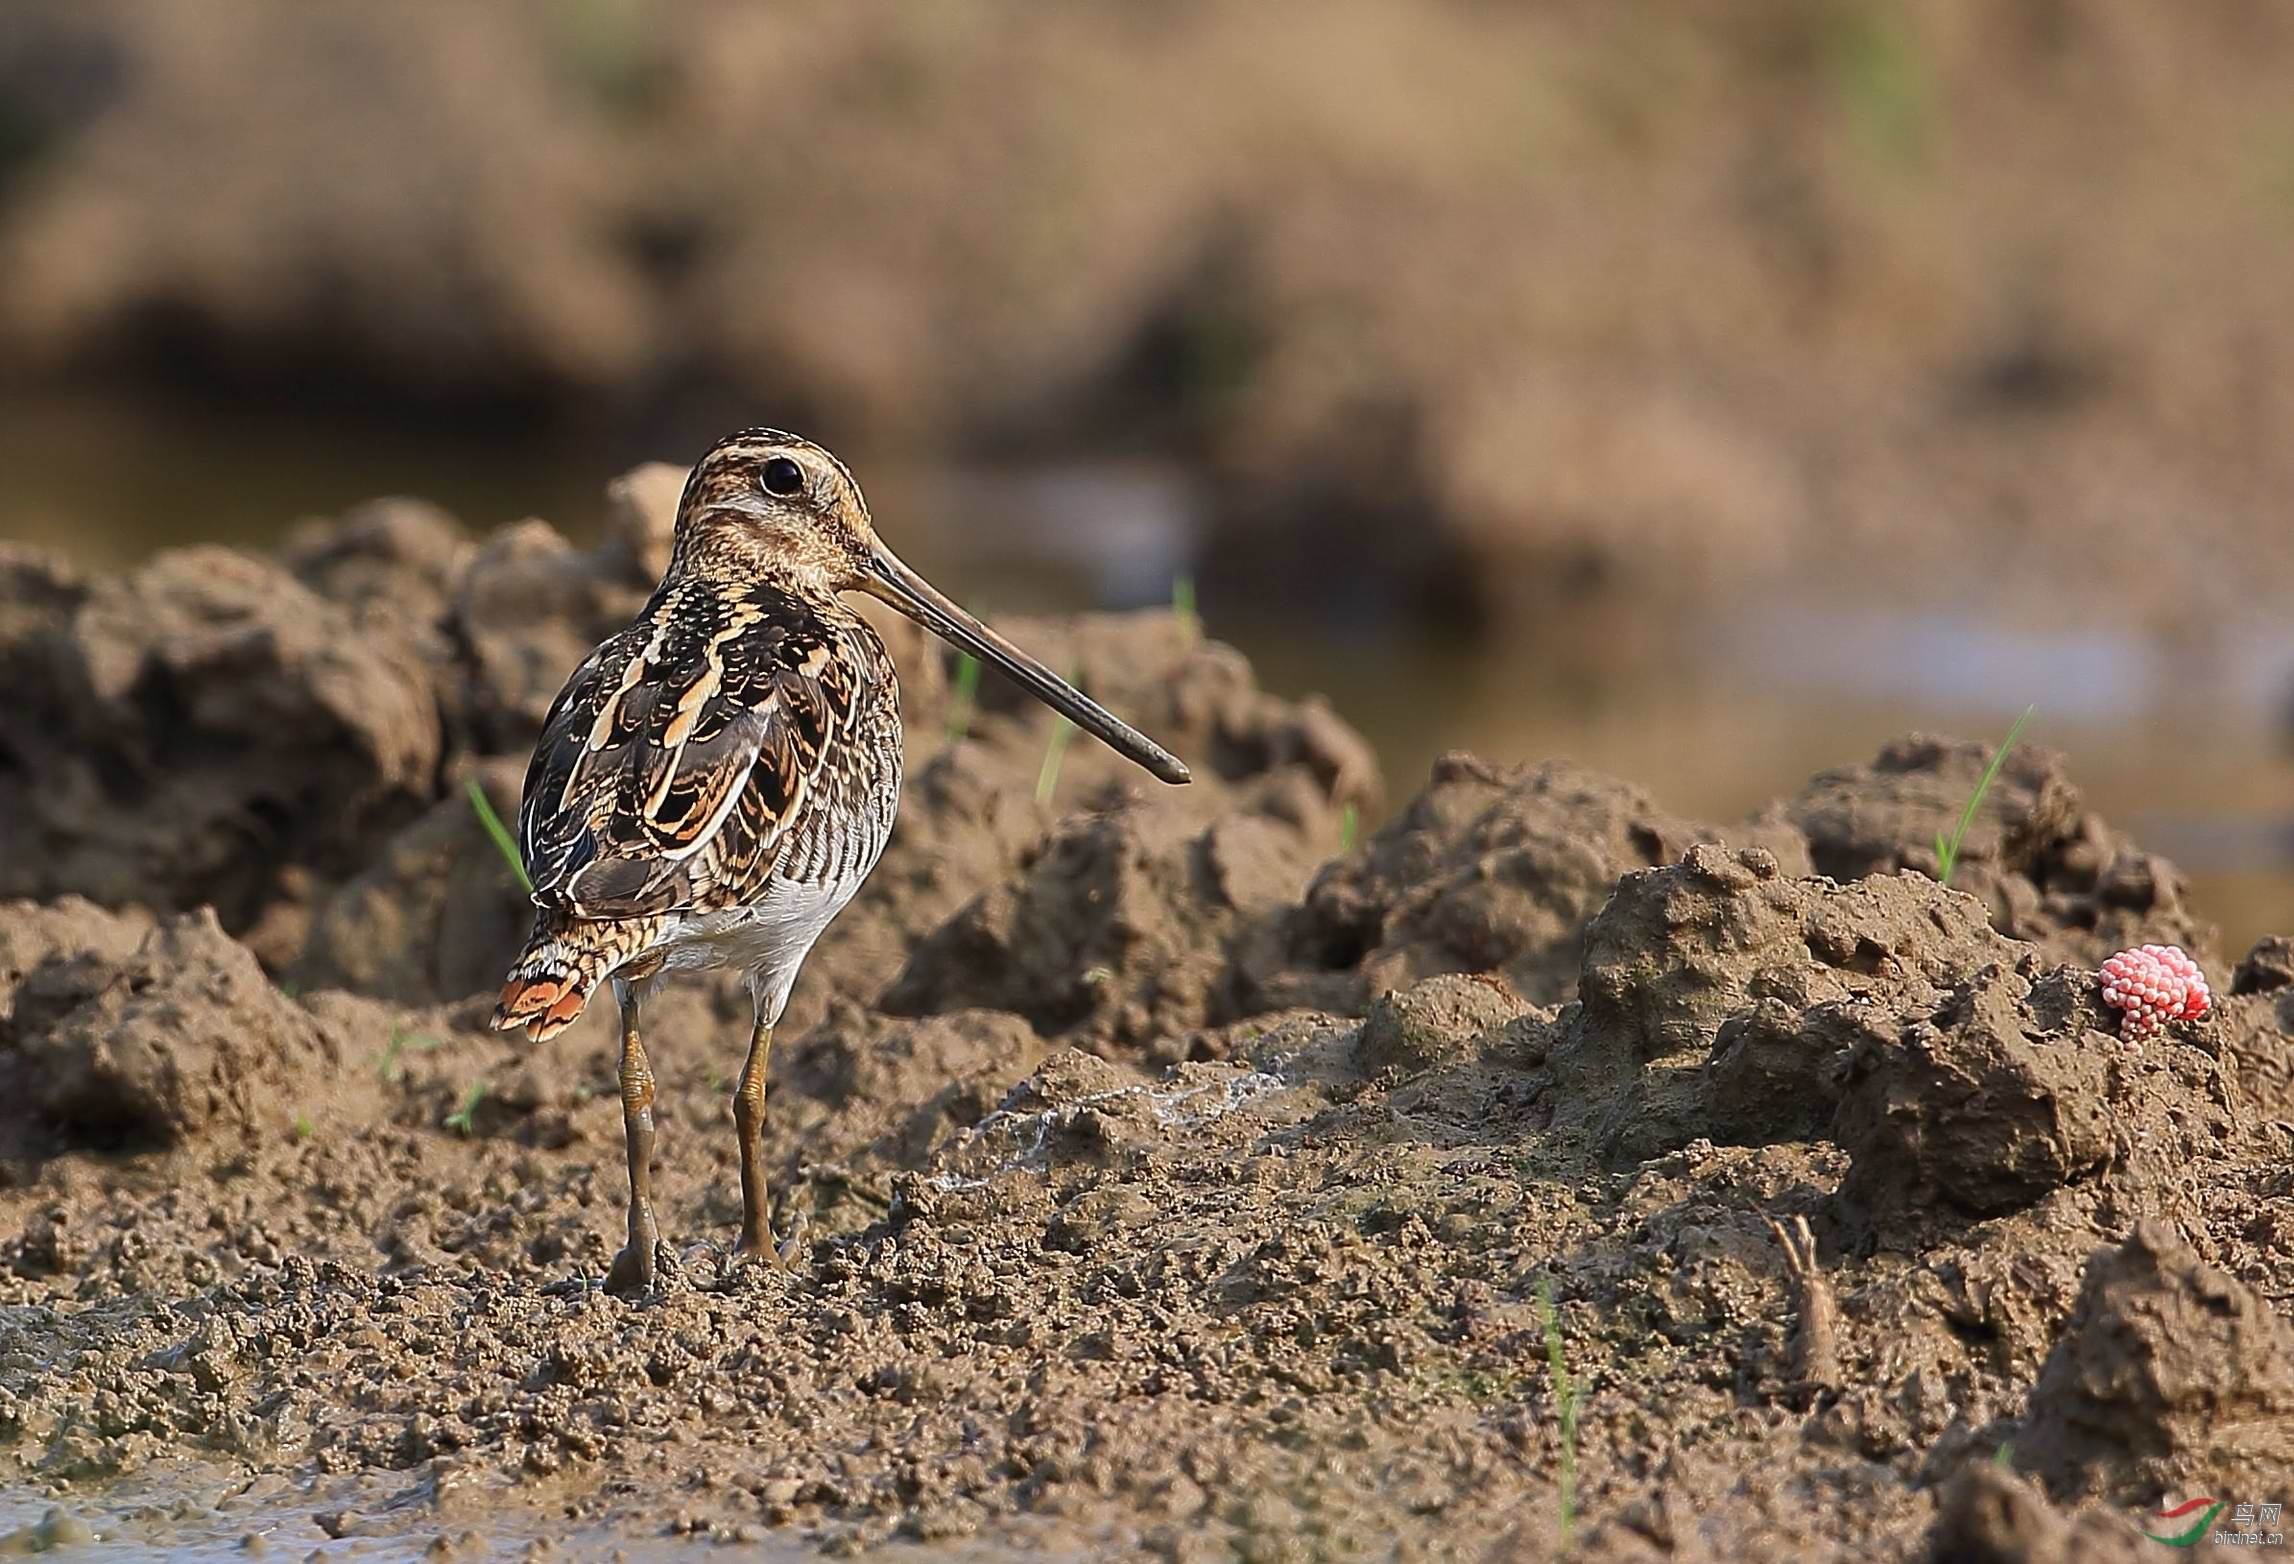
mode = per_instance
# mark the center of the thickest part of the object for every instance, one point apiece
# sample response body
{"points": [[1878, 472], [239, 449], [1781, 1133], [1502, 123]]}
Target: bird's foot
{"points": [[637, 1268], [634, 1271], [756, 1245]]}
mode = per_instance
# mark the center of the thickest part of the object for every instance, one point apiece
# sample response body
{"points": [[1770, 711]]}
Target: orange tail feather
{"points": [[542, 1006], [564, 961], [547, 990]]}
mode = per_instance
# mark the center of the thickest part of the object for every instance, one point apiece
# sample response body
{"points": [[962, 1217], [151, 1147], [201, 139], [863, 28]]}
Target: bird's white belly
{"points": [[768, 939], [776, 931]]}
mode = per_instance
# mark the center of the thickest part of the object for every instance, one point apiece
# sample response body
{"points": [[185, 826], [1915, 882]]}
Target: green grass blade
{"points": [[1054, 751], [965, 697], [1183, 609], [1565, 1396], [504, 843], [464, 1119], [1947, 848]]}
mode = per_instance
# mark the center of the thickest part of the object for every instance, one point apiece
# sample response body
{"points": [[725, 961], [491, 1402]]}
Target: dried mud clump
{"points": [[1117, 930], [1440, 1021], [2266, 969], [1988, 1515], [2171, 1375], [430, 918], [1720, 994], [1980, 1106], [176, 735], [1488, 869], [67, 931], [1679, 948], [2050, 870], [394, 559], [530, 607], [53, 957], [184, 1036]]}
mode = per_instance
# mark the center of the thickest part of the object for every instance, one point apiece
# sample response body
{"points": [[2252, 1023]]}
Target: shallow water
{"points": [[193, 1512], [2188, 742]]}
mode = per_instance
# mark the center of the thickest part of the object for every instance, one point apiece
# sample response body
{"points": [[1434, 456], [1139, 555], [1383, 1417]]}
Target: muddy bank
{"points": [[1807, 281], [1178, 1177]]}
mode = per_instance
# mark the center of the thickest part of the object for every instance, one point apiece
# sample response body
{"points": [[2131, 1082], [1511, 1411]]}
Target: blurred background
{"points": [[1703, 393]]}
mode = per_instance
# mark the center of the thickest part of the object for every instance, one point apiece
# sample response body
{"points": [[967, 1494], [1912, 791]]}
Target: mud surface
{"points": [[1179, 1177]]}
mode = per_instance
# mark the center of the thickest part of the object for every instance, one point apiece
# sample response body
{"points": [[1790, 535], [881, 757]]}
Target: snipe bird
{"points": [[716, 780]]}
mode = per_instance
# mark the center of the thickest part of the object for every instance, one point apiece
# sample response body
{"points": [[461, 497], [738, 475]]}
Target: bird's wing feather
{"points": [[678, 757]]}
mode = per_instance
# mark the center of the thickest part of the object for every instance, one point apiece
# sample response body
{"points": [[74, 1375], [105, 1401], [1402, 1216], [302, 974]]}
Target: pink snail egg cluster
{"points": [[2153, 984]]}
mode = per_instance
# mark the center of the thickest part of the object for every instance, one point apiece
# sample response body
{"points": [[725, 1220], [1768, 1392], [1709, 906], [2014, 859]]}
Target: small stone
{"points": [[1438, 1021], [60, 1528]]}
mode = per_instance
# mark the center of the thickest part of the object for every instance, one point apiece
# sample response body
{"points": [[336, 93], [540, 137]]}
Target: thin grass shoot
{"points": [[1566, 1395], [964, 697], [504, 843], [391, 1067], [1947, 847], [464, 1119], [1054, 752]]}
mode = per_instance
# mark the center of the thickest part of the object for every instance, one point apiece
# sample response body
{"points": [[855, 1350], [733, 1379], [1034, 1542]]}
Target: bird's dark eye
{"points": [[783, 477]]}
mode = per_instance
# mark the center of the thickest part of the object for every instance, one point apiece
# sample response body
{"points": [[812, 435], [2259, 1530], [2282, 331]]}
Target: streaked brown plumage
{"points": [[715, 781]]}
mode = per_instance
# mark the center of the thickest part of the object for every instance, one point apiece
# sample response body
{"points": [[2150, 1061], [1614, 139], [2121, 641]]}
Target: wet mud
{"points": [[1183, 1173]]}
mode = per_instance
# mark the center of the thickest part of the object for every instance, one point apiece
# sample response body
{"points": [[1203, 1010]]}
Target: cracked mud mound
{"points": [[1487, 869], [1120, 928], [2050, 870], [2172, 1375], [1175, 1180], [1978, 1108], [182, 1037], [176, 735]]}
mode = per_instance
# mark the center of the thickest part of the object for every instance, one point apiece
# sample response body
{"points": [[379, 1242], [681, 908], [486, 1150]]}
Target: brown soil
{"points": [[1176, 1182]]}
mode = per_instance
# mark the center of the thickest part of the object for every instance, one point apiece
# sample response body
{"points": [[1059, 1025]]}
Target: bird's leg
{"points": [[633, 1268], [749, 1121]]}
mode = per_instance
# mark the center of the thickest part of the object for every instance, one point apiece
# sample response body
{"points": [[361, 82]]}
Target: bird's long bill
{"points": [[895, 583]]}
